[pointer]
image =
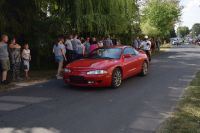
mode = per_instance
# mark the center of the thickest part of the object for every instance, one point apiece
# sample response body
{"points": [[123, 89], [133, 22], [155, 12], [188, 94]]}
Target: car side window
{"points": [[130, 51], [136, 52]]}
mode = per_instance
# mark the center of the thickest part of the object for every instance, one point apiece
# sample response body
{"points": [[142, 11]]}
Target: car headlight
{"points": [[66, 70], [96, 72]]}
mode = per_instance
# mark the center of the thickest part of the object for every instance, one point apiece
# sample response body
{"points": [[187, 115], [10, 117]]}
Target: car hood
{"points": [[92, 63]]}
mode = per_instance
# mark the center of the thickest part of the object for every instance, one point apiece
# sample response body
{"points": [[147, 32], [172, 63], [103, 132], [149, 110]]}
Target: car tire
{"points": [[145, 69], [116, 78]]}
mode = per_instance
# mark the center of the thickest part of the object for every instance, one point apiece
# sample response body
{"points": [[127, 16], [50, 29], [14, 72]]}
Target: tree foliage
{"points": [[196, 29], [39, 22], [97, 17], [183, 31], [159, 17]]}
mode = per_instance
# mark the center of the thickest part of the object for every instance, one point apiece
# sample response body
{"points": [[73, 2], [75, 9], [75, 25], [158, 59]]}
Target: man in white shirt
{"points": [[146, 46], [69, 48]]}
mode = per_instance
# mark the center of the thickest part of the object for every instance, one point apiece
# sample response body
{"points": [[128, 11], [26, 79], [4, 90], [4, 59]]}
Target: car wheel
{"points": [[145, 69], [116, 78]]}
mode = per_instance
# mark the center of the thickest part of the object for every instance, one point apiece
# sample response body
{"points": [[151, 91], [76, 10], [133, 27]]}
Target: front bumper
{"points": [[84, 80]]}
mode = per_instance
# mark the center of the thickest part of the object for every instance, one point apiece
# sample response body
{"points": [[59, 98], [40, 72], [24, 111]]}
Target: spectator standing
{"points": [[15, 59], [87, 46], [153, 45], [4, 59], [80, 49], [59, 52], [136, 43], [100, 43], [119, 43], [146, 46], [69, 48], [68, 43], [108, 42], [75, 43], [158, 42], [94, 44], [26, 57], [114, 41]]}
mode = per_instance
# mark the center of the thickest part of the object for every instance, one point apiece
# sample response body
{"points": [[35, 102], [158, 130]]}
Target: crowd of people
{"points": [[13, 57], [147, 44], [73, 47], [68, 48]]}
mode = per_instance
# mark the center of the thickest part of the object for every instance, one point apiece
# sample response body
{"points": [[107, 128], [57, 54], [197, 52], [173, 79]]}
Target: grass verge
{"points": [[167, 45], [163, 48], [186, 118]]}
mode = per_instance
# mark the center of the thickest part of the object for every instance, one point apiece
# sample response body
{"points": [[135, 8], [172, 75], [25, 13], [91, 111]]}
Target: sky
{"points": [[190, 13]]}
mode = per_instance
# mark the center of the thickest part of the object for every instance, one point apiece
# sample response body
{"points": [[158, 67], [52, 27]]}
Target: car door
{"points": [[139, 61], [130, 63]]}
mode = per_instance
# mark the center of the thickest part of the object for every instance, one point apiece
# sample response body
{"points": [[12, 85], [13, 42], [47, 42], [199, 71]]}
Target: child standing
{"points": [[26, 56]]}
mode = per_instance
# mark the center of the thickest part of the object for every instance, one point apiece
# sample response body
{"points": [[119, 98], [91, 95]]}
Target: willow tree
{"points": [[99, 16], [40, 21], [2, 19]]}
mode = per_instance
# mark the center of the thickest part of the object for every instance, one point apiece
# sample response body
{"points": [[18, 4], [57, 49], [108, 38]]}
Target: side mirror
{"points": [[127, 56]]}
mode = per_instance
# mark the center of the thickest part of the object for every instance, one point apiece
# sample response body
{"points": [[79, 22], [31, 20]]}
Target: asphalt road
{"points": [[139, 106]]}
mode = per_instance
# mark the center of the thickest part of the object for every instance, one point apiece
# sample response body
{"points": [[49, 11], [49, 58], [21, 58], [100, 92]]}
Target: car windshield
{"points": [[106, 53]]}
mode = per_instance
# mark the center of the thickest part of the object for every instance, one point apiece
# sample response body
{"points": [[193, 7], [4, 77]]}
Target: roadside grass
{"points": [[35, 77], [166, 45], [186, 118], [163, 48]]}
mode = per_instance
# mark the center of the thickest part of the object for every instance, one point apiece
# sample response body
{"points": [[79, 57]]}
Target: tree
{"points": [[39, 22], [183, 31], [160, 16], [196, 29]]}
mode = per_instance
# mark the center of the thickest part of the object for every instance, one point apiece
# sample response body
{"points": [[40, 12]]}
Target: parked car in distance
{"points": [[106, 67], [176, 41]]}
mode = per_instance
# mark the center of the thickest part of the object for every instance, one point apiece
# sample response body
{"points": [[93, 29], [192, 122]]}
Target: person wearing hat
{"points": [[146, 47]]}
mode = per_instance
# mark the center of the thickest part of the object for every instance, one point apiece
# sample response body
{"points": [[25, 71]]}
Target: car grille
{"points": [[78, 80]]}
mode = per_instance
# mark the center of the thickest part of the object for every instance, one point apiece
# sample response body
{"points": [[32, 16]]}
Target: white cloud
{"points": [[191, 4], [190, 13]]}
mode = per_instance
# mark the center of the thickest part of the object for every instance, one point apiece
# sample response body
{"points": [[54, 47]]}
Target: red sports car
{"points": [[106, 67]]}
